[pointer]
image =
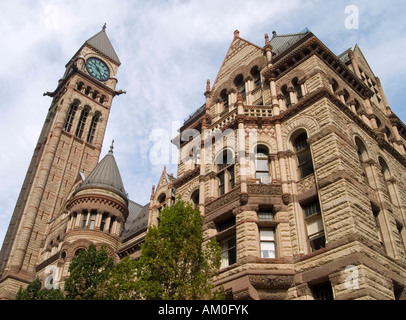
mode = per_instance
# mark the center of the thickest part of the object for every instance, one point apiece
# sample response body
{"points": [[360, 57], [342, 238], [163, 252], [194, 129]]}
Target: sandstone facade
{"points": [[295, 160]]}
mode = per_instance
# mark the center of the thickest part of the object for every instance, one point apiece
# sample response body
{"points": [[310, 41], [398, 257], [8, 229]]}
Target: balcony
{"points": [[257, 193]]}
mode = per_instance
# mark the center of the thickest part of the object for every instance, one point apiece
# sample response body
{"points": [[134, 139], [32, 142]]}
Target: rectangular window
{"points": [[305, 162], [84, 219], [228, 252], [267, 242], [103, 222], [221, 183], [92, 220], [231, 177], [323, 292], [265, 216], [225, 225], [312, 208], [314, 225]]}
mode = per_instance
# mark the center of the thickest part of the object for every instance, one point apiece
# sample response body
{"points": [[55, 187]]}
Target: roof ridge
{"points": [[101, 42]]}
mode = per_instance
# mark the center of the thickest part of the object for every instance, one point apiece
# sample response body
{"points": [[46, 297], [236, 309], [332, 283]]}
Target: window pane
{"points": [[266, 235], [267, 250], [265, 216], [262, 165]]}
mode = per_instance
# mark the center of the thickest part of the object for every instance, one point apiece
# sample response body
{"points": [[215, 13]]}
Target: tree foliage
{"points": [[88, 274], [34, 292], [174, 264]]}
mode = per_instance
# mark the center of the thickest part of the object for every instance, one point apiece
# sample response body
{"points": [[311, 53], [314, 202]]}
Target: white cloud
{"points": [[168, 49]]}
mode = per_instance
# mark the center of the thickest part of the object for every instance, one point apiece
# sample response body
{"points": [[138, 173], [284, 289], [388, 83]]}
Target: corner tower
{"points": [[70, 143]]}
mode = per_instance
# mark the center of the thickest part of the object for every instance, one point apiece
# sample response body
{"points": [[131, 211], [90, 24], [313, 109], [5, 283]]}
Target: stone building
{"points": [[295, 160]]}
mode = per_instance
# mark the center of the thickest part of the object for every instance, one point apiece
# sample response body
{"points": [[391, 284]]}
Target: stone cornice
{"points": [[310, 47]]}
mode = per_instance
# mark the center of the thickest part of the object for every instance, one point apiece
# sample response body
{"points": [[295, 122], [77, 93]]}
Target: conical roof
{"points": [[105, 176], [101, 43]]}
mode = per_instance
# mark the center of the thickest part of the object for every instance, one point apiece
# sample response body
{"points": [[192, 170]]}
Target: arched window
{"points": [[88, 90], [71, 115], [195, 198], [261, 164], [161, 201], [95, 94], [224, 98], [303, 154], [80, 86], [286, 94], [92, 129], [298, 89], [102, 99], [256, 76], [225, 171], [239, 83], [82, 122], [390, 188], [334, 85], [362, 156]]}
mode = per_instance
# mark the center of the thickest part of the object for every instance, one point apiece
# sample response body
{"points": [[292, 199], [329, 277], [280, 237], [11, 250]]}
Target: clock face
{"points": [[98, 69]]}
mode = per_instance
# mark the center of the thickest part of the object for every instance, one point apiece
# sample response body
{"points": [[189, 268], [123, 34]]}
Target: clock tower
{"points": [[68, 148]]}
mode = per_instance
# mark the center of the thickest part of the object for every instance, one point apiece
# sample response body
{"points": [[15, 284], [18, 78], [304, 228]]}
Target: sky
{"points": [[168, 49]]}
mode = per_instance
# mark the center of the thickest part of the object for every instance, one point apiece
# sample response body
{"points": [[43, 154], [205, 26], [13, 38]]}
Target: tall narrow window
{"points": [[376, 213], [240, 84], [92, 222], [228, 252], [261, 164], [231, 177], [93, 125], [286, 94], [103, 221], [71, 115], [225, 171], [267, 242], [389, 185], [362, 157], [84, 218], [195, 198], [314, 225], [82, 122], [256, 75], [303, 154], [298, 89], [224, 98]]}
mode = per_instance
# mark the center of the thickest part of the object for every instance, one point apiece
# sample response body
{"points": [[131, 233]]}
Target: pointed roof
{"points": [[101, 43], [105, 176]]}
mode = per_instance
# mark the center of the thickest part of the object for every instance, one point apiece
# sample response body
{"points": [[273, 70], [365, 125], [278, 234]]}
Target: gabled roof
{"points": [[105, 176], [101, 43]]}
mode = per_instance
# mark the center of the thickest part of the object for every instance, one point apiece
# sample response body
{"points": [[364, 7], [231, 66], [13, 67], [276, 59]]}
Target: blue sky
{"points": [[168, 50]]}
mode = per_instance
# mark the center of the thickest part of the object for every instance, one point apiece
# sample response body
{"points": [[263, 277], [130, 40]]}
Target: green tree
{"points": [[88, 274], [122, 283], [175, 263], [33, 291]]}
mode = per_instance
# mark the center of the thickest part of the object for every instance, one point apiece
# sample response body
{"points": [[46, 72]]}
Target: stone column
{"points": [[247, 232]]}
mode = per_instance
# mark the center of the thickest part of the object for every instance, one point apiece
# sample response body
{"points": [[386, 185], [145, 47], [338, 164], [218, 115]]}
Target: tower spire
{"points": [[112, 146], [104, 27]]}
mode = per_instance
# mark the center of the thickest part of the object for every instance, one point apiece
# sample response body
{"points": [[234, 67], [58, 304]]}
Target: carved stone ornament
{"points": [[286, 198]]}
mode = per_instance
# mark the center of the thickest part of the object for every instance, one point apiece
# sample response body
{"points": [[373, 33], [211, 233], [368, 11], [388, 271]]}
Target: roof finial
{"points": [[104, 27], [112, 146]]}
